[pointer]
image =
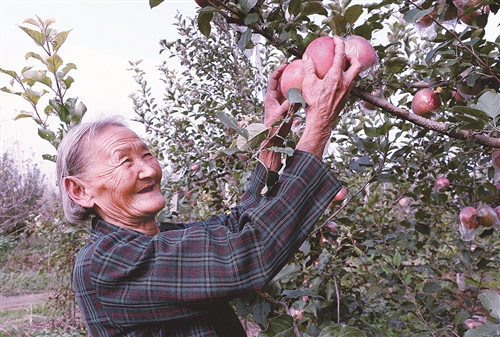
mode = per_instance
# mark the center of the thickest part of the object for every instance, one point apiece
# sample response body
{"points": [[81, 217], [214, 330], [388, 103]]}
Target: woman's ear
{"points": [[78, 192]]}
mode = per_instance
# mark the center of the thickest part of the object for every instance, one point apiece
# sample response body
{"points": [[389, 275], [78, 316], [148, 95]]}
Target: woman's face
{"points": [[123, 178]]}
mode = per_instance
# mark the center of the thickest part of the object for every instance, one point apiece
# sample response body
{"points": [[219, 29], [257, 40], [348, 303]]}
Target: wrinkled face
{"points": [[123, 178]]}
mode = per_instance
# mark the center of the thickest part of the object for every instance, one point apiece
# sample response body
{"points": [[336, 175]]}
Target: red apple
{"points": [[497, 211], [468, 218], [341, 194], [487, 216], [404, 202], [321, 51], [426, 103], [441, 184], [495, 159], [292, 77], [196, 167], [468, 19], [359, 47], [465, 4], [425, 21], [202, 3], [457, 96], [450, 13]]}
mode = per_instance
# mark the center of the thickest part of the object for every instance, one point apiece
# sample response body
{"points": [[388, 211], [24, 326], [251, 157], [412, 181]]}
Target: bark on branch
{"points": [[424, 122]]}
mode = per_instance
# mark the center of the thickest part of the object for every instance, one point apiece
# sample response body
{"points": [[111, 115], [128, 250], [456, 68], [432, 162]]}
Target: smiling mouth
{"points": [[147, 189]]}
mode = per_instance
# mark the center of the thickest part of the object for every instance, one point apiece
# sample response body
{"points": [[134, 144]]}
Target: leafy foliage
{"points": [[52, 78], [22, 187]]}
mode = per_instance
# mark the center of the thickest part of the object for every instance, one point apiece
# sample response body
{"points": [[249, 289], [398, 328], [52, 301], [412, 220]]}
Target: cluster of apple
{"points": [[322, 51], [426, 102], [472, 218], [450, 13]]}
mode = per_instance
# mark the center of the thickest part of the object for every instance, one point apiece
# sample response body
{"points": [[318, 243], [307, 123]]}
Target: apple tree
{"points": [[392, 258]]}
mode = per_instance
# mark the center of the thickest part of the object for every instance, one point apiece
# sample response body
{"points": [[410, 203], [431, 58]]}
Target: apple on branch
{"points": [[292, 76], [468, 223], [360, 48], [426, 103], [441, 184]]}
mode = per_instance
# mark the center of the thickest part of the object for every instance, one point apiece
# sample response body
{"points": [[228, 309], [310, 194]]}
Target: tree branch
{"points": [[425, 122]]}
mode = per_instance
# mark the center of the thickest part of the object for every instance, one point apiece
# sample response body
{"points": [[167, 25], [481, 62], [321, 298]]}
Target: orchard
{"points": [[411, 245]]}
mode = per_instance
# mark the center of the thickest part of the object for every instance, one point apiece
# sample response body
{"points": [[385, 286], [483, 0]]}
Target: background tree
{"points": [[21, 192], [389, 259]]}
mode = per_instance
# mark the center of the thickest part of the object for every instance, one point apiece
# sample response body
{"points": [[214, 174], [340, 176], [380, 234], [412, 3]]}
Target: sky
{"points": [[104, 37]]}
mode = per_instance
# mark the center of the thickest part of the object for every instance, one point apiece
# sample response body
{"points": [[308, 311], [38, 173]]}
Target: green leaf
{"points": [[78, 113], [287, 271], [397, 259], [251, 19], [53, 63], [280, 326], [244, 39], [38, 76], [46, 134], [294, 7], [35, 56], [387, 178], [293, 95], [484, 330], [353, 13], [61, 110], [66, 69], [247, 5], [299, 293], [23, 115], [50, 157], [491, 301], [33, 96], [312, 8], [7, 90], [257, 132], [469, 111], [413, 15], [154, 3], [341, 330], [378, 131], [360, 164], [431, 287], [460, 317], [260, 311], [59, 39], [396, 64], [38, 37], [204, 19], [68, 81], [231, 122], [489, 102], [9, 72]]}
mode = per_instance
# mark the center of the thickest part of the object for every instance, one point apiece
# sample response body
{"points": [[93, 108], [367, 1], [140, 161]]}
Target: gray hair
{"points": [[73, 160]]}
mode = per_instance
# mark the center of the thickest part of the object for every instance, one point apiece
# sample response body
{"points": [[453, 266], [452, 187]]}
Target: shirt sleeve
{"points": [[182, 273]]}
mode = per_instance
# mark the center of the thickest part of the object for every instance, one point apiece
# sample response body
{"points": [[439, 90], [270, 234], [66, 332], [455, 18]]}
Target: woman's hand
{"points": [[276, 106], [326, 98]]}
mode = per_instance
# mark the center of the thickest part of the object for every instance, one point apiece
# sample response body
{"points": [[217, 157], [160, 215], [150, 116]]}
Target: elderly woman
{"points": [[138, 278]]}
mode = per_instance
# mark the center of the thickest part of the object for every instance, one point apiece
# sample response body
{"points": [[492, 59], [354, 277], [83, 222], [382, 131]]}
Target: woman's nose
{"points": [[146, 170]]}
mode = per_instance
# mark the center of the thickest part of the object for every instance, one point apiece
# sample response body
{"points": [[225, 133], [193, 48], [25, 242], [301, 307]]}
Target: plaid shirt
{"points": [[179, 282]]}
